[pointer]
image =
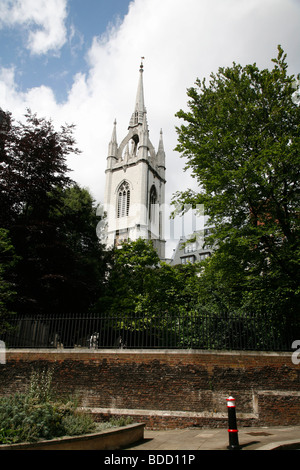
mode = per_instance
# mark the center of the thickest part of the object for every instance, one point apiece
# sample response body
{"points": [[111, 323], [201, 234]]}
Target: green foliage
{"points": [[51, 220], [33, 165], [136, 255], [78, 423], [139, 283], [23, 419], [241, 142], [40, 388], [120, 421], [36, 415], [8, 260], [74, 274], [146, 297], [129, 275], [8, 436]]}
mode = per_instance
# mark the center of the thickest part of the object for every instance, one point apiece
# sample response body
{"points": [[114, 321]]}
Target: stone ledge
{"points": [[165, 413], [164, 352], [110, 439]]}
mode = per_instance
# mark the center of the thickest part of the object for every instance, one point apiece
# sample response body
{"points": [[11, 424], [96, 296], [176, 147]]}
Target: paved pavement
{"points": [[250, 438]]}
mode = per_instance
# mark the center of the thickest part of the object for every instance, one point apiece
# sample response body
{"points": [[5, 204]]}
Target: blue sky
{"points": [[77, 61], [85, 19]]}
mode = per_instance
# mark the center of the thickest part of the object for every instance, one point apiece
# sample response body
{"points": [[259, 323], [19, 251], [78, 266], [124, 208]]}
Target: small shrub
{"points": [[26, 421], [40, 385], [77, 424], [37, 415], [121, 421], [8, 436]]}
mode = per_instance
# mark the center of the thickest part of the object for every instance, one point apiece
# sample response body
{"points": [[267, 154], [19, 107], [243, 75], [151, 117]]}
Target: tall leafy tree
{"points": [[33, 166], [8, 260], [146, 297], [52, 222], [241, 141], [77, 275], [140, 283], [131, 269]]}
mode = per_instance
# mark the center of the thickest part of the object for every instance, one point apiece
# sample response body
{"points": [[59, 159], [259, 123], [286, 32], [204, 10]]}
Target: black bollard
{"points": [[232, 428]]}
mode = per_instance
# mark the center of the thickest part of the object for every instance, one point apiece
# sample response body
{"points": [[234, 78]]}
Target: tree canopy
{"points": [[8, 260], [50, 220], [33, 165], [241, 140], [139, 283]]}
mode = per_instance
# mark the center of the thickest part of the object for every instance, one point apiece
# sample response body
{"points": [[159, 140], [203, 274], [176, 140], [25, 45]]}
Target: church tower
{"points": [[135, 182]]}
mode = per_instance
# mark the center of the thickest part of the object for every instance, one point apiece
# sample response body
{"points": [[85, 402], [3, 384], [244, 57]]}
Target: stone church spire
{"points": [[113, 148], [139, 109], [161, 156], [135, 182], [113, 144]]}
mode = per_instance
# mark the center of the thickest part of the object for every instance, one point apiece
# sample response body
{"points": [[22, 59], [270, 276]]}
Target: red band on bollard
{"points": [[230, 402], [232, 427]]}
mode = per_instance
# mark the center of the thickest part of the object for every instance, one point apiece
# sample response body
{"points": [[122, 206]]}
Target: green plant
{"points": [[23, 420], [40, 385], [38, 415], [121, 421], [8, 436], [78, 423]]}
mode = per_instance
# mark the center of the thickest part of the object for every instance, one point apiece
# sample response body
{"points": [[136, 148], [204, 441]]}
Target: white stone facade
{"points": [[135, 183]]}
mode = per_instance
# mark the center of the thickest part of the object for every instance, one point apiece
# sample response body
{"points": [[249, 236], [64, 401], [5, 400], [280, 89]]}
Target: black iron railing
{"points": [[196, 330]]}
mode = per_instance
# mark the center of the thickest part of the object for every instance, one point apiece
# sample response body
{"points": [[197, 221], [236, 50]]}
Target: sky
{"points": [[77, 62]]}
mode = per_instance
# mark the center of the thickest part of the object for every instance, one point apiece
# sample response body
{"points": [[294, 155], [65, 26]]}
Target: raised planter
{"points": [[109, 439]]}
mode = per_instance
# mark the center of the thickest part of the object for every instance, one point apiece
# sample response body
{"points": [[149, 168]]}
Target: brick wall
{"points": [[167, 388]]}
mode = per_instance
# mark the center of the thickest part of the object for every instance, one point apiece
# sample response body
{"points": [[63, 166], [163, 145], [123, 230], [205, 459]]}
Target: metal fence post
{"points": [[232, 427]]}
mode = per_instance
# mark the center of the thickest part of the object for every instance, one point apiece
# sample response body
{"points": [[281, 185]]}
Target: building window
{"points": [[136, 118], [152, 206], [203, 256], [190, 248], [121, 237], [188, 259], [123, 200]]}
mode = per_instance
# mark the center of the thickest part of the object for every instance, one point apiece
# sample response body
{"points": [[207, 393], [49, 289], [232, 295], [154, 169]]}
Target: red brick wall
{"points": [[168, 388]]}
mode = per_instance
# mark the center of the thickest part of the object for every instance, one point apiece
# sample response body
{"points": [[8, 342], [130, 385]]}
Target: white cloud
{"points": [[181, 40], [44, 21]]}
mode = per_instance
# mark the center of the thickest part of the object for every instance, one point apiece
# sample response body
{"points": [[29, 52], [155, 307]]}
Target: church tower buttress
{"points": [[135, 182]]}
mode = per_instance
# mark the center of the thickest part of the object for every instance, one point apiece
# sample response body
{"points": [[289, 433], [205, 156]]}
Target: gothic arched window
{"points": [[123, 200], [153, 202]]}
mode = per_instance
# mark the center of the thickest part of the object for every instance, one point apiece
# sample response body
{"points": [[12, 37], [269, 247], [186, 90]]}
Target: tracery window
{"points": [[153, 202], [123, 200]]}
